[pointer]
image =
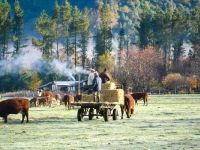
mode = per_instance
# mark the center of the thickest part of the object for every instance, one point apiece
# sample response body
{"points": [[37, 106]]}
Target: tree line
{"points": [[150, 40]]}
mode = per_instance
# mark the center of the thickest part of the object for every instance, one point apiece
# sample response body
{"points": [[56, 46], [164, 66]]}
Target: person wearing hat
{"points": [[96, 87], [90, 77], [89, 81]]}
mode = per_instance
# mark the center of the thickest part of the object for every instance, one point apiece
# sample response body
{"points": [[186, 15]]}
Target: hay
{"points": [[107, 95], [113, 96], [87, 98], [108, 86]]}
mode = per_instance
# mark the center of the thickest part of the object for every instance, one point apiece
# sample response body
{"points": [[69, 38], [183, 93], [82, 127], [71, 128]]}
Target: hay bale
{"points": [[108, 86], [87, 98], [111, 96]]}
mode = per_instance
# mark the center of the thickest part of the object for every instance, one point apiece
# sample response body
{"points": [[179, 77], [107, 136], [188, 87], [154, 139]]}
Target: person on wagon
{"points": [[96, 87], [104, 76]]}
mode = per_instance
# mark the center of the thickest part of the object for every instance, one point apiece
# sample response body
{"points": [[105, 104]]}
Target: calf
{"points": [[68, 100], [58, 98], [42, 101], [78, 97], [48, 95], [33, 102], [14, 106], [140, 96]]}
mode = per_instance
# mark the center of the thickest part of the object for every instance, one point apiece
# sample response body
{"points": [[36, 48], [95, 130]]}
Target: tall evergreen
{"points": [[195, 39], [5, 28], [56, 21], [158, 28], [17, 26], [162, 34], [75, 29], [129, 18], [145, 27], [66, 10], [104, 34], [85, 24], [179, 32], [44, 27]]}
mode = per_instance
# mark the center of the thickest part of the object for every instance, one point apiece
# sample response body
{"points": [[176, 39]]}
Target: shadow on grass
{"points": [[42, 120], [52, 120]]}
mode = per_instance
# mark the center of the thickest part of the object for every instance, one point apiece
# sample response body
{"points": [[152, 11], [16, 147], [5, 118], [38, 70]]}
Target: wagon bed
{"points": [[104, 109]]}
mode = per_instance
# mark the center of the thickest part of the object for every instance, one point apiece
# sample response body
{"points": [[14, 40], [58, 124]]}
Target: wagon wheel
{"points": [[105, 114], [80, 114], [91, 113], [115, 114]]}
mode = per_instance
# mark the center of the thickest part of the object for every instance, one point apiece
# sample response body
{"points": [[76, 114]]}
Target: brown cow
{"points": [[78, 97], [140, 96], [14, 106], [68, 100], [33, 101], [129, 104], [58, 98], [42, 101], [48, 95]]}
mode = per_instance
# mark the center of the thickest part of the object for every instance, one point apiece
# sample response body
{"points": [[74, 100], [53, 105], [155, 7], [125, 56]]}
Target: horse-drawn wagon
{"points": [[111, 102]]}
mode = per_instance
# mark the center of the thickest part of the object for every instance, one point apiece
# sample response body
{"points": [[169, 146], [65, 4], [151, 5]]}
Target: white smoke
{"points": [[31, 59], [90, 50], [62, 68], [115, 44]]}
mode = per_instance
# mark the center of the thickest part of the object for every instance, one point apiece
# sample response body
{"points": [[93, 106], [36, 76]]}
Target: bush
{"points": [[174, 81]]}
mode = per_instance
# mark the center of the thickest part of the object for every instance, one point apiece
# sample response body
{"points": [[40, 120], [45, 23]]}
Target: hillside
{"points": [[33, 8]]}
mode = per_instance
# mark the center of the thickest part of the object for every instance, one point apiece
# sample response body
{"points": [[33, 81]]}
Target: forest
{"points": [[147, 45]]}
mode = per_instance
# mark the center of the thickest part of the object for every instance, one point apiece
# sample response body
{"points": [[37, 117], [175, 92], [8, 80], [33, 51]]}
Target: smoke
{"points": [[90, 50], [115, 48], [91, 54], [14, 65], [31, 59], [115, 44]]}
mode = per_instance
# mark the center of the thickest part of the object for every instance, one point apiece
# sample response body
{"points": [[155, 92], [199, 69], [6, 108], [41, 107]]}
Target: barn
{"points": [[64, 86]]}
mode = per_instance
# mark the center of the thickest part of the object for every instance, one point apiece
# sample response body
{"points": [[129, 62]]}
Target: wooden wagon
{"points": [[111, 102]]}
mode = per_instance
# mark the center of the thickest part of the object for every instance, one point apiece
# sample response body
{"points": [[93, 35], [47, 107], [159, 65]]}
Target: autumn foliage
{"points": [[193, 82], [174, 81]]}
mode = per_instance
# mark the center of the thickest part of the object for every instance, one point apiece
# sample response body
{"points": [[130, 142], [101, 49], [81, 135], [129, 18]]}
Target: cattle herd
{"points": [[21, 105]]}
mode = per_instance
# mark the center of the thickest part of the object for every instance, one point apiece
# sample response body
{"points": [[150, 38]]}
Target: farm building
{"points": [[64, 86]]}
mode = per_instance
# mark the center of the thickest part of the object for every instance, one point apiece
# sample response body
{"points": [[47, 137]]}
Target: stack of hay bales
{"points": [[109, 94]]}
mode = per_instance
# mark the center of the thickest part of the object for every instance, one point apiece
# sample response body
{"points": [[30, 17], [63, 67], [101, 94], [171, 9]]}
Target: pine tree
{"points": [[195, 39], [56, 23], [179, 32], [129, 20], [75, 31], [44, 27], [104, 34], [85, 23], [162, 34], [5, 27], [66, 10], [145, 27], [17, 26]]}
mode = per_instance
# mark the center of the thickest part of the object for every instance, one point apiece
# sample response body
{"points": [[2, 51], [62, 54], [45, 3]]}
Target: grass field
{"points": [[168, 122]]}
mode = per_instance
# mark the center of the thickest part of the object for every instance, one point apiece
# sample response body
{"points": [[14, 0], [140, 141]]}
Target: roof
{"points": [[63, 83]]}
